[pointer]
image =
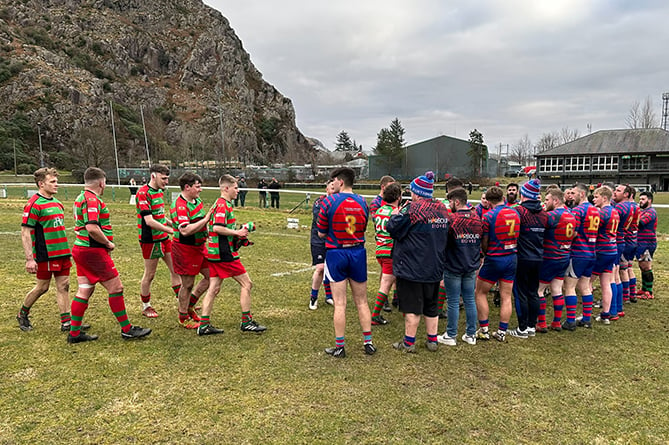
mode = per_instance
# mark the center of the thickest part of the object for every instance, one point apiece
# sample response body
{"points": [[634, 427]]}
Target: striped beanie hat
{"points": [[531, 189], [423, 186]]}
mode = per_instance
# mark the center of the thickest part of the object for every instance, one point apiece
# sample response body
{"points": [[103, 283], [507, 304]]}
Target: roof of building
{"points": [[639, 140]]}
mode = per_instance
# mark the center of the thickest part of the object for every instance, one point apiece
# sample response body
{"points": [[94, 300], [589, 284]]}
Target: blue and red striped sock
{"points": [[484, 324], [408, 341], [432, 338], [571, 302], [541, 315], [626, 291], [503, 326], [558, 306], [587, 307], [633, 287], [328, 291], [314, 294]]}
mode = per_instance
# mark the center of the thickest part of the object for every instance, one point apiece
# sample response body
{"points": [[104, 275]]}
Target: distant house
{"points": [[631, 156], [443, 154]]}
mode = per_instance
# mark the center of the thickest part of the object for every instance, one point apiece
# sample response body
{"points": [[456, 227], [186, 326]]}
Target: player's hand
{"points": [[110, 246], [243, 232], [31, 266]]}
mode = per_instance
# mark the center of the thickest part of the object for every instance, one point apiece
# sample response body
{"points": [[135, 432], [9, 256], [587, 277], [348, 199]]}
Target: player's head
{"points": [[392, 193], [580, 192], [228, 185], [602, 196], [512, 192], [160, 176], [494, 195], [41, 174], [622, 192], [554, 198], [453, 184], [95, 177], [531, 190], [645, 199], [457, 198], [190, 184], [343, 176], [385, 180], [484, 201], [423, 186]]}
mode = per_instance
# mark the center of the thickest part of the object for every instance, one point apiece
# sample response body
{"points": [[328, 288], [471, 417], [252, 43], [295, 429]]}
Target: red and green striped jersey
{"points": [[89, 209], [219, 247], [384, 242], [46, 216], [150, 202], [188, 212]]}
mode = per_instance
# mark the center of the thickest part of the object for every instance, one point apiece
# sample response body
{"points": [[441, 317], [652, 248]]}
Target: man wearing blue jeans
{"points": [[463, 258]]}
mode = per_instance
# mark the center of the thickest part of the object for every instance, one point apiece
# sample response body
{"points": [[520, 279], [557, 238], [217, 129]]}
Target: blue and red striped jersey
{"points": [[587, 227], [609, 220], [647, 226], [343, 217], [560, 233], [501, 225], [633, 227], [626, 214], [376, 203]]}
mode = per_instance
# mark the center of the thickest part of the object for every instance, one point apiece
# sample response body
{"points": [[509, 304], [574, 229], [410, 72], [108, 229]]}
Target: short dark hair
{"points": [[159, 168], [648, 195], [346, 174], [582, 188], [385, 180], [454, 183], [459, 194], [94, 174], [512, 184], [392, 192], [189, 178], [494, 195]]}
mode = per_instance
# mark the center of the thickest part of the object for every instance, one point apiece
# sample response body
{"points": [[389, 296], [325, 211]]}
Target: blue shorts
{"points": [[341, 264], [629, 253], [580, 267], [498, 268], [553, 269], [644, 252], [605, 263]]}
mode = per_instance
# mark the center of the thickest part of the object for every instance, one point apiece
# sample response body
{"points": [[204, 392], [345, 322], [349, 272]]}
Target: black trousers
{"points": [[525, 292]]}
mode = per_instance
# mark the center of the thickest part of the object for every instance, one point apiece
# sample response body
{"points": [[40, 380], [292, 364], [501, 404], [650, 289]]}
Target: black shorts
{"points": [[317, 254], [418, 298]]}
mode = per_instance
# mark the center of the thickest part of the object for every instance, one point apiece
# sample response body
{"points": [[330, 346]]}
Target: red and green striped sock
{"points": [[25, 310], [65, 317], [246, 317], [193, 301], [183, 317], [117, 305], [78, 307], [176, 290], [381, 298], [145, 298], [441, 298], [204, 320]]}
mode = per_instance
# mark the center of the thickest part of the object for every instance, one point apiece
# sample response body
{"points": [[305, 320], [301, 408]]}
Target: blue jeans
{"points": [[457, 285]]}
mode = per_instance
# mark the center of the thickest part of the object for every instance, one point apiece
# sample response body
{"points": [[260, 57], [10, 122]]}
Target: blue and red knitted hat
{"points": [[423, 186], [531, 189]]}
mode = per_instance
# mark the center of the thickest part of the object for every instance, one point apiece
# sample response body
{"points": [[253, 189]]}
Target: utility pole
{"points": [[111, 111], [39, 137], [146, 141], [16, 172], [220, 124]]}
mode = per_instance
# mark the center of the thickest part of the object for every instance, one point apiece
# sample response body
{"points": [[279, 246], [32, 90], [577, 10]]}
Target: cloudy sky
{"points": [[506, 67]]}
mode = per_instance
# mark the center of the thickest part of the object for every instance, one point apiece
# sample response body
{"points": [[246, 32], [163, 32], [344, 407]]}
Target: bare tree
{"points": [[547, 141], [567, 135], [522, 150], [642, 116]]}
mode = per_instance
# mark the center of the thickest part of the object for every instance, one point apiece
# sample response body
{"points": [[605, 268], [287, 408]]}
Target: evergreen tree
{"points": [[390, 144], [478, 153], [344, 142]]}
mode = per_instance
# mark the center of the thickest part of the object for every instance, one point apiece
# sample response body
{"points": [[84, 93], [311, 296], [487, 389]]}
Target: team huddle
{"points": [[443, 252], [205, 242]]}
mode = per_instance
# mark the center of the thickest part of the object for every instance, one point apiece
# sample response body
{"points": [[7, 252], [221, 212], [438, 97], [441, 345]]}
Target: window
{"points": [[604, 163], [635, 162], [552, 164], [577, 164]]}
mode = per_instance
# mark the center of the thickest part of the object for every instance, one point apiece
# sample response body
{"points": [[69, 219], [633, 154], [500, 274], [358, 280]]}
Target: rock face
{"points": [[180, 62]]}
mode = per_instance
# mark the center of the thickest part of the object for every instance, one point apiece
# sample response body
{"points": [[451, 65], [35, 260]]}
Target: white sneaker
{"points": [[329, 301], [313, 304], [446, 340], [518, 333], [605, 321], [531, 332], [469, 339]]}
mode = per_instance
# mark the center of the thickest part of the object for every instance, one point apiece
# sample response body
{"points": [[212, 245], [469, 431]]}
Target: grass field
{"points": [[605, 385]]}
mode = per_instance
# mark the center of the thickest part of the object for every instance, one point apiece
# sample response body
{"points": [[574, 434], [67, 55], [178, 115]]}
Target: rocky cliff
{"points": [[176, 65]]}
